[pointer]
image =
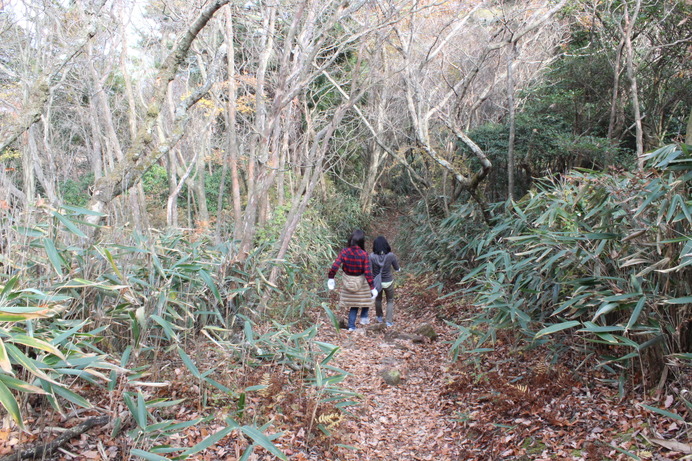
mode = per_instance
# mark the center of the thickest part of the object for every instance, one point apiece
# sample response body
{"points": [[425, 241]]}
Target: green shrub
{"points": [[605, 256], [155, 183], [76, 192]]}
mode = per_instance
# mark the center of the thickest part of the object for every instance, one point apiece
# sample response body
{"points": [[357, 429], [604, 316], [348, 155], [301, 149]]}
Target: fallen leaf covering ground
{"points": [[511, 403], [505, 404]]}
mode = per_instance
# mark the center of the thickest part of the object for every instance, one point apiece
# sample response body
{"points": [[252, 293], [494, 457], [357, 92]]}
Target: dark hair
{"points": [[357, 238], [380, 246]]}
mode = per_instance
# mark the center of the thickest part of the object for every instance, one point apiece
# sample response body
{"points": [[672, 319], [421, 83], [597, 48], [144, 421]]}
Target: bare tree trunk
{"points": [[376, 152], [40, 89], [377, 155], [95, 153], [615, 98], [173, 195], [129, 92], [284, 153], [512, 119], [172, 166], [444, 104], [139, 199], [232, 135], [29, 174], [198, 180], [173, 190], [311, 178], [631, 73], [44, 169]]}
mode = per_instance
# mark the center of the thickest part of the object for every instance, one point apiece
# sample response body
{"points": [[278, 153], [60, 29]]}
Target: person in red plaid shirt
{"points": [[358, 285]]}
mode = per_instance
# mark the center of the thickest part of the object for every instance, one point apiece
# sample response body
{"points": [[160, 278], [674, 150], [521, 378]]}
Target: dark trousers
{"points": [[390, 303]]}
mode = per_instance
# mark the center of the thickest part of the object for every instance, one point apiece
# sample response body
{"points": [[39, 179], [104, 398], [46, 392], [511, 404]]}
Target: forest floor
{"points": [[503, 404], [508, 403]]}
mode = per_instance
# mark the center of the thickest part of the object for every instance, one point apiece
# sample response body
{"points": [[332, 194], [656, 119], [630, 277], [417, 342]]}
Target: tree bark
{"points": [[231, 112], [39, 92], [376, 152], [615, 97], [259, 147], [631, 73], [512, 123]]}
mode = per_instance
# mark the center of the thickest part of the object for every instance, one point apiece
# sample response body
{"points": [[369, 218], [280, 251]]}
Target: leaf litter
{"points": [[506, 404]]}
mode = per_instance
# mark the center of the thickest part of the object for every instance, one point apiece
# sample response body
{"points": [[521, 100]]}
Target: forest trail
{"points": [[405, 421]]}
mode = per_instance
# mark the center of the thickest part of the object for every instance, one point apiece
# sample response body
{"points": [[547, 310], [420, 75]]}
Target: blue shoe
{"points": [[379, 319], [390, 324], [364, 320]]}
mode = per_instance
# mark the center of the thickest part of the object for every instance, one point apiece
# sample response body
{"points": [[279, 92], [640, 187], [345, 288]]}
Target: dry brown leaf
{"points": [[672, 445]]}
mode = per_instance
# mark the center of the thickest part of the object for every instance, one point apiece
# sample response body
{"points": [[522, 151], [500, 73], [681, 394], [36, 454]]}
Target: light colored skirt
{"points": [[355, 292]]}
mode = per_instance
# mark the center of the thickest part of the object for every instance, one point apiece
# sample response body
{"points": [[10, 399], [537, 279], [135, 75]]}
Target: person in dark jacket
{"points": [[358, 285], [383, 263]]}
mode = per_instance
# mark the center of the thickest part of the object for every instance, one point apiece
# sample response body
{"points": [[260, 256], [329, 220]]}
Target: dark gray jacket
{"points": [[384, 264]]}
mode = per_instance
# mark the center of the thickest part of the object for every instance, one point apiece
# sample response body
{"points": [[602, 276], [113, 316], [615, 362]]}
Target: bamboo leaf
{"points": [[29, 231], [167, 328], [11, 317], [36, 344], [5, 364], [53, 256], [147, 455], [257, 387], [70, 396], [66, 334], [663, 412], [636, 312], [188, 363], [557, 327], [684, 300], [71, 226], [332, 317], [18, 385], [82, 211], [8, 287], [590, 327], [132, 406], [207, 279], [604, 309], [263, 441], [141, 411], [248, 452], [206, 443], [111, 261], [10, 403], [27, 363]]}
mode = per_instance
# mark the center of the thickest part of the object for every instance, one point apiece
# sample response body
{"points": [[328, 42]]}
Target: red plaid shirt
{"points": [[353, 261]]}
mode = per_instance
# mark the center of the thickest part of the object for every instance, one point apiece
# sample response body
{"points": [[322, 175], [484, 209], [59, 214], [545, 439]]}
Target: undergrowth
{"points": [[602, 256], [80, 320]]}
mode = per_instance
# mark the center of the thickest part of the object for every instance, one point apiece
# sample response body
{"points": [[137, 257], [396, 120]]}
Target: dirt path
{"points": [[406, 421]]}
